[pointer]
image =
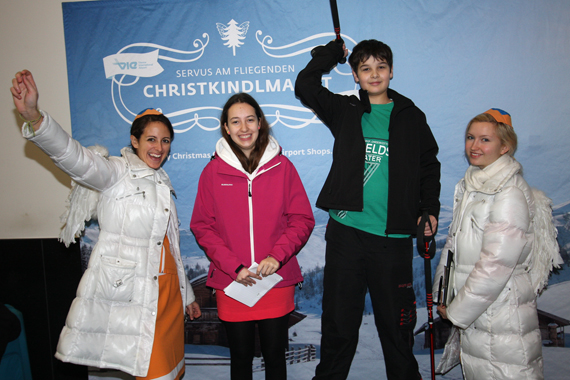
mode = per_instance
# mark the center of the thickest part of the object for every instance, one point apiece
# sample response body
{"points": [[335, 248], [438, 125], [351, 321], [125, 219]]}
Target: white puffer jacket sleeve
{"points": [[81, 164]]}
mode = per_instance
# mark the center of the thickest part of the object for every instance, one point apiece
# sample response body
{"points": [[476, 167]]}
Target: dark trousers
{"points": [[273, 338], [357, 261]]}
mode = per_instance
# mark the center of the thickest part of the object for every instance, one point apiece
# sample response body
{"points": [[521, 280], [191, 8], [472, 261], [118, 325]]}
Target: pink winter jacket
{"points": [[233, 208]]}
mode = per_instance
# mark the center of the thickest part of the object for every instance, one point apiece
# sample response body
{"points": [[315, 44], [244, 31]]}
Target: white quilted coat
{"points": [[495, 304], [112, 320]]}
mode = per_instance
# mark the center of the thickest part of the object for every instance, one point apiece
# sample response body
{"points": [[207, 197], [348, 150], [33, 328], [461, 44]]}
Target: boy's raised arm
{"points": [[308, 86]]}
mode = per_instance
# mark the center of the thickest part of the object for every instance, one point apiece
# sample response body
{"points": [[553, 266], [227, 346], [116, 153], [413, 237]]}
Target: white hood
{"points": [[224, 151]]}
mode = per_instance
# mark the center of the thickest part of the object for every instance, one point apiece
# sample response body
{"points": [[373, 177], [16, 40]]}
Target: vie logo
{"points": [[126, 65], [135, 64]]}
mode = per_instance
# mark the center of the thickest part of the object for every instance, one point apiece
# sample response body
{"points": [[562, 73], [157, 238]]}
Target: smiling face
{"points": [[482, 144], [243, 126], [154, 144], [374, 76]]}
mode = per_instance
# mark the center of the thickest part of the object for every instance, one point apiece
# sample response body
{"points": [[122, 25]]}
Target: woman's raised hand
{"points": [[25, 95]]}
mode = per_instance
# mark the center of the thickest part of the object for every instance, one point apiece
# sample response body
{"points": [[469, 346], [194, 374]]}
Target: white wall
{"points": [[33, 190]]}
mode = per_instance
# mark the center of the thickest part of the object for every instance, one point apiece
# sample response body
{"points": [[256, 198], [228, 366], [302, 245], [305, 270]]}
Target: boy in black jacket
{"points": [[384, 172]]}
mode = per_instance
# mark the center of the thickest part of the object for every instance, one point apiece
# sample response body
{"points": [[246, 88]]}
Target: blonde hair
{"points": [[505, 132]]}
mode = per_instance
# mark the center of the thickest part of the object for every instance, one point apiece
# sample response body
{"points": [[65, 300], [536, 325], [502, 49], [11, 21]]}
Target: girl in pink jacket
{"points": [[251, 207]]}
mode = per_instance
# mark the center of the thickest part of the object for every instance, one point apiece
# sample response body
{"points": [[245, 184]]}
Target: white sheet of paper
{"points": [[249, 295]]}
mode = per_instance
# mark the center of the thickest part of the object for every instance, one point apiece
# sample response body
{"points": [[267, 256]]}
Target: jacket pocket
{"points": [[476, 225], [116, 279], [138, 193]]}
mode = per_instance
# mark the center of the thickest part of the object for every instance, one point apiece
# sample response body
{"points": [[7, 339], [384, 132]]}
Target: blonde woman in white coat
{"points": [[130, 304], [491, 236]]}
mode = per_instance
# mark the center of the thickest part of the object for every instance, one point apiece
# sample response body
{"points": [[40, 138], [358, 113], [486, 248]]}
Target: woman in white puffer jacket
{"points": [[130, 304], [491, 236]]}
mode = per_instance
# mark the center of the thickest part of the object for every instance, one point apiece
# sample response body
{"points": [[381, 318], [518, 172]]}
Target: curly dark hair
{"points": [[140, 123], [370, 48]]}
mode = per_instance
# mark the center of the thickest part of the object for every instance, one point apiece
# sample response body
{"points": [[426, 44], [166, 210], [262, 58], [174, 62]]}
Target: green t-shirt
{"points": [[373, 217]]}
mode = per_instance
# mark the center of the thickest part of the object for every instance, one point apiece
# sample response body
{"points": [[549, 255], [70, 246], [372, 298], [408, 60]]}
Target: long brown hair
{"points": [[249, 164]]}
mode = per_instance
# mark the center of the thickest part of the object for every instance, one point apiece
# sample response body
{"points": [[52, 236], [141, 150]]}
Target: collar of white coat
{"points": [[224, 151], [493, 177], [138, 169]]}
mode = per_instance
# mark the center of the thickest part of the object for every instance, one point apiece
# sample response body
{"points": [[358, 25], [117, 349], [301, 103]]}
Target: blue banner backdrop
{"points": [[454, 59]]}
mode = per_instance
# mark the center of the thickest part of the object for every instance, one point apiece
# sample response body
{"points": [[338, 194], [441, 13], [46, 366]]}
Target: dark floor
{"points": [[39, 278]]}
